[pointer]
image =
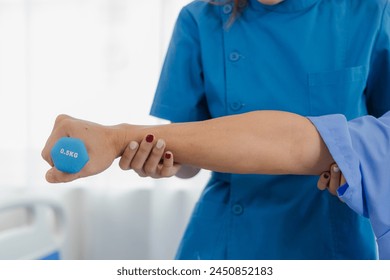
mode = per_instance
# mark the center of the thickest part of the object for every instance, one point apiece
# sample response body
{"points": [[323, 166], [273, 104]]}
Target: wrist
{"points": [[122, 134], [118, 135]]}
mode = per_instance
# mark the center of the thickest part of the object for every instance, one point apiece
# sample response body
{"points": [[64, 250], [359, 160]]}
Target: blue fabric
{"points": [[311, 57], [361, 149], [52, 256]]}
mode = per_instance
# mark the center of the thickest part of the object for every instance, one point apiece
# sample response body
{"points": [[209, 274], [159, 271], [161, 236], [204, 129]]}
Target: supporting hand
{"points": [[149, 159], [331, 180]]}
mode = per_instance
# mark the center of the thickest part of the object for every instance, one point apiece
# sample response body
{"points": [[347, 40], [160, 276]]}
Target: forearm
{"points": [[264, 142]]}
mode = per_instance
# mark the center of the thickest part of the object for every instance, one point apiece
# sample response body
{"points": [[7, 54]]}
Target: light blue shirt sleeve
{"points": [[361, 148]]}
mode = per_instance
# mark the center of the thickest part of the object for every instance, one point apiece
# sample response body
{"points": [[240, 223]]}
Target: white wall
{"points": [[93, 59]]}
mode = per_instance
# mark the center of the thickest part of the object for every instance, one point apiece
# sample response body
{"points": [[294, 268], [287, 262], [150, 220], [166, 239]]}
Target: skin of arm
{"points": [[261, 142]]}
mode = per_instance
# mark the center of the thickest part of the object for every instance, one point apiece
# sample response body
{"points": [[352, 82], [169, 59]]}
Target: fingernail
{"points": [[336, 168], [133, 145], [168, 155], [149, 138], [160, 144], [326, 176]]}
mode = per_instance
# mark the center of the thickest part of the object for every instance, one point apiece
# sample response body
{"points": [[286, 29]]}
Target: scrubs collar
{"points": [[285, 6]]}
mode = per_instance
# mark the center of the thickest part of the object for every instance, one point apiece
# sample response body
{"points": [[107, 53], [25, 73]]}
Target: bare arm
{"points": [[264, 142]]}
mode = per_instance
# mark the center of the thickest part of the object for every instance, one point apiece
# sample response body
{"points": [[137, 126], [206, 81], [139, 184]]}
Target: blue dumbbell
{"points": [[69, 155]]}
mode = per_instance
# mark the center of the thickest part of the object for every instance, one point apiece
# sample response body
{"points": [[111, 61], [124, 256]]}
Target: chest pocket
{"points": [[340, 91]]}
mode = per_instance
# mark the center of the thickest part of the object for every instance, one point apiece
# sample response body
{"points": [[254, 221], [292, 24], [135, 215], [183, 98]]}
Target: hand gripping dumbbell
{"points": [[69, 155]]}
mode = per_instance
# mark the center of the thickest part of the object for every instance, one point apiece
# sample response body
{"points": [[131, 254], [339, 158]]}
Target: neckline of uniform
{"points": [[285, 6]]}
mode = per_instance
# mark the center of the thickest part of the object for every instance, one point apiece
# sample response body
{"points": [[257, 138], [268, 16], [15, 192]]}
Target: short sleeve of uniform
{"points": [[180, 95], [361, 148]]}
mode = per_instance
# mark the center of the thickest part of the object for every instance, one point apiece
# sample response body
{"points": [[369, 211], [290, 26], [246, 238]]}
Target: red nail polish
{"points": [[168, 155], [149, 138]]}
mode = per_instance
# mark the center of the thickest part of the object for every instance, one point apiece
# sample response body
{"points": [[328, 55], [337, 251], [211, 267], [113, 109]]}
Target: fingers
{"points": [[323, 181], [331, 180], [128, 155], [56, 176], [335, 176], [149, 159], [169, 167], [144, 158], [151, 167], [142, 155]]}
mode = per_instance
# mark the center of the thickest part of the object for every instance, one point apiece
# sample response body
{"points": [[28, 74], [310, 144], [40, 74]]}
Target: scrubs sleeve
{"points": [[361, 148], [180, 95], [378, 83]]}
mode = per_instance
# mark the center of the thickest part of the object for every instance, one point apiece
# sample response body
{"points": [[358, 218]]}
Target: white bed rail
{"points": [[41, 234], [128, 222]]}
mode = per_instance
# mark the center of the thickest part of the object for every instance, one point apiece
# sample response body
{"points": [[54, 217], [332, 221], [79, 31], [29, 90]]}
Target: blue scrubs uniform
{"points": [[361, 149], [311, 57]]}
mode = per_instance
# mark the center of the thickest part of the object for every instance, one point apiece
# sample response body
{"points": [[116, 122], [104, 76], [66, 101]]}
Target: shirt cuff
{"points": [[335, 133], [384, 246]]}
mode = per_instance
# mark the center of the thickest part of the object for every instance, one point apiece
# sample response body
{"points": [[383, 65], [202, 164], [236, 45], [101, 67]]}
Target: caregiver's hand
{"points": [[103, 144], [331, 180], [149, 158]]}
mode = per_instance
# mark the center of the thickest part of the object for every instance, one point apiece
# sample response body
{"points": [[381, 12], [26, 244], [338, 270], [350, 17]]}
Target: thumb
{"points": [[53, 175]]}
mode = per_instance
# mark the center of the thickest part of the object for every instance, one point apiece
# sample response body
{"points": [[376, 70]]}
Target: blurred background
{"points": [[97, 60]]}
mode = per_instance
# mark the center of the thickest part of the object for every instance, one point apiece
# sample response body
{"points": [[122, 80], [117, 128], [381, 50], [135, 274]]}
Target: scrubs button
{"points": [[234, 56], [235, 106], [227, 9], [237, 209]]}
